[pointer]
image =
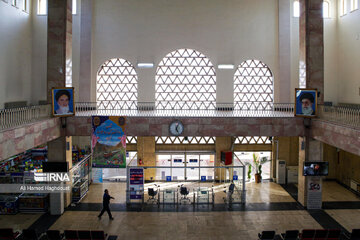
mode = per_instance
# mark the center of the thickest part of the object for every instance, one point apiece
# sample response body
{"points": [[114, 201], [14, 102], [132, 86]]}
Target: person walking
{"points": [[106, 203]]}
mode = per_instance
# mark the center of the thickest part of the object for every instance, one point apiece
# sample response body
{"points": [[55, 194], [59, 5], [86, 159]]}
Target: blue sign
{"points": [[168, 178], [203, 178], [235, 177]]}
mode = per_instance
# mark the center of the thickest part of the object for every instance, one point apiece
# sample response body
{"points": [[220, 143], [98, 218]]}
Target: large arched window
{"points": [[253, 86], [185, 79], [116, 86]]}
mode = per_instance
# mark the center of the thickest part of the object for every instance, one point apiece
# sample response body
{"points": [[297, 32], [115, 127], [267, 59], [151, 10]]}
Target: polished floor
{"points": [[268, 207]]}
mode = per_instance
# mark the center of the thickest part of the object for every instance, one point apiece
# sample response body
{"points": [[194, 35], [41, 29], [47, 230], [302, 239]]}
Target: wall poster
{"points": [[108, 142]]}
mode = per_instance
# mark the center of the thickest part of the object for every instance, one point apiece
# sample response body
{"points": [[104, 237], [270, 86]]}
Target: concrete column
{"points": [[312, 45], [59, 43], [146, 152], [85, 51], [310, 150], [285, 93], [221, 144], [60, 150]]}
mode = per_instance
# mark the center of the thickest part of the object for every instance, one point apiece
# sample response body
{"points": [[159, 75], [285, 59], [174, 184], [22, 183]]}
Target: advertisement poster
{"points": [[314, 193], [108, 142], [136, 183]]}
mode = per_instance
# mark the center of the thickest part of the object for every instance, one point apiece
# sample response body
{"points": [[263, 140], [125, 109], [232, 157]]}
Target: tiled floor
{"points": [[179, 225], [332, 191], [19, 221], [348, 218]]}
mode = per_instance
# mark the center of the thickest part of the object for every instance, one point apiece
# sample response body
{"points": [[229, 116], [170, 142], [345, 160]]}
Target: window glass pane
{"points": [[74, 10], [326, 10], [42, 7], [296, 9]]}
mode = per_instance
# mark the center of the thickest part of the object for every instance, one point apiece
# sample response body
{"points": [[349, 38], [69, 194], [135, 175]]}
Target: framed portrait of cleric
{"points": [[63, 102], [305, 102]]}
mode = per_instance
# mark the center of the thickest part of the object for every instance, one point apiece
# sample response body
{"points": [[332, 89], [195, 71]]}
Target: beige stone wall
{"points": [[348, 167], [331, 156], [288, 151], [146, 152], [302, 193]]}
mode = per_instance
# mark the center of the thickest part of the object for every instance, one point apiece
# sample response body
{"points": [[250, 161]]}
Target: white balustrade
{"points": [[18, 116]]}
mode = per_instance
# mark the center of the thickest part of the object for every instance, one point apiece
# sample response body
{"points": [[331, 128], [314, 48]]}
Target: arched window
{"points": [[185, 79], [253, 86], [326, 9], [354, 5], [116, 86], [296, 8]]}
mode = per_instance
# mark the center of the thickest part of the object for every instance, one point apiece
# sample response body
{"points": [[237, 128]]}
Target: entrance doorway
{"points": [[247, 159], [177, 166]]}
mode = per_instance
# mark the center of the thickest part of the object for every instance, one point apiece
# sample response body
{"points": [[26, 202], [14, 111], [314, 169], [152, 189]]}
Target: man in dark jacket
{"points": [[106, 203]]}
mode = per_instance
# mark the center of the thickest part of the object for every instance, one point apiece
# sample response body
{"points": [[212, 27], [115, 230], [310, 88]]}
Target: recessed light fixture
{"points": [[145, 65], [225, 66]]}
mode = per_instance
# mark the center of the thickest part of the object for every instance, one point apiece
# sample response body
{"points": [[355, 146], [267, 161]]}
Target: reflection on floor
{"points": [[348, 218], [196, 225], [19, 221], [334, 192], [255, 192]]}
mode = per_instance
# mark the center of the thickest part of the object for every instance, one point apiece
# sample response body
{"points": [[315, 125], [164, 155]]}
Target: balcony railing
{"points": [[342, 115], [224, 110], [18, 116]]}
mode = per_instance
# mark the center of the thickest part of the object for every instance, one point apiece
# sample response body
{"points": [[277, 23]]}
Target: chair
{"points": [[8, 234], [84, 235], [321, 234], [184, 192], [98, 235], [307, 234], [290, 235], [54, 235], [266, 235], [355, 234], [30, 234], [71, 235], [333, 234]]}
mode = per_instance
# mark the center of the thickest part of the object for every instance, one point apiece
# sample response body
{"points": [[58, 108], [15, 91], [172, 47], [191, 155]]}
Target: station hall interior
{"points": [[186, 112]]}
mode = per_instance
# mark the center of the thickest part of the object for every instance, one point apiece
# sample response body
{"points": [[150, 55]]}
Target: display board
{"points": [[108, 142], [136, 184], [314, 193]]}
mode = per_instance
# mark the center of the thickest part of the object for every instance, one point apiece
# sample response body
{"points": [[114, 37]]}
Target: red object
{"points": [[226, 158], [140, 162]]}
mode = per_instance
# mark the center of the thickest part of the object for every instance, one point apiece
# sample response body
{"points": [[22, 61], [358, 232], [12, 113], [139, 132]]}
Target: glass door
{"points": [[163, 161], [192, 173], [178, 161], [207, 173]]}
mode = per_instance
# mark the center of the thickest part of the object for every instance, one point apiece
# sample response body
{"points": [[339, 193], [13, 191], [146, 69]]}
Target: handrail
{"points": [[344, 115], [147, 109], [18, 116]]}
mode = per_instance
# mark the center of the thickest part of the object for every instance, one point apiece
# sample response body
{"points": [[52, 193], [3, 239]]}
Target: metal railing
{"points": [[275, 110], [343, 115], [18, 116]]}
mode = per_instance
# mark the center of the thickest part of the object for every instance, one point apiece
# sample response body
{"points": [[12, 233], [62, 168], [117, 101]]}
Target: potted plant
{"points": [[257, 165]]}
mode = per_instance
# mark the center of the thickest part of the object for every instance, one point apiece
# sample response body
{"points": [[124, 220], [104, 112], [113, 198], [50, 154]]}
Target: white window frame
{"points": [[25, 6], [14, 3]]}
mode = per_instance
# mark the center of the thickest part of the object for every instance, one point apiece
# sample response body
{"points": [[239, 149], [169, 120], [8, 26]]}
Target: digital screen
{"points": [[316, 168], [55, 167]]}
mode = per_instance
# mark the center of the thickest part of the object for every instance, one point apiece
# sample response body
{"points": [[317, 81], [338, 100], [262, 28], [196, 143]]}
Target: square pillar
{"points": [[146, 152], [59, 50]]}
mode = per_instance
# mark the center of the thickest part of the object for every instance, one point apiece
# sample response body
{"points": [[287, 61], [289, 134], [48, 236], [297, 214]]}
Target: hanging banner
{"points": [[108, 142]]}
